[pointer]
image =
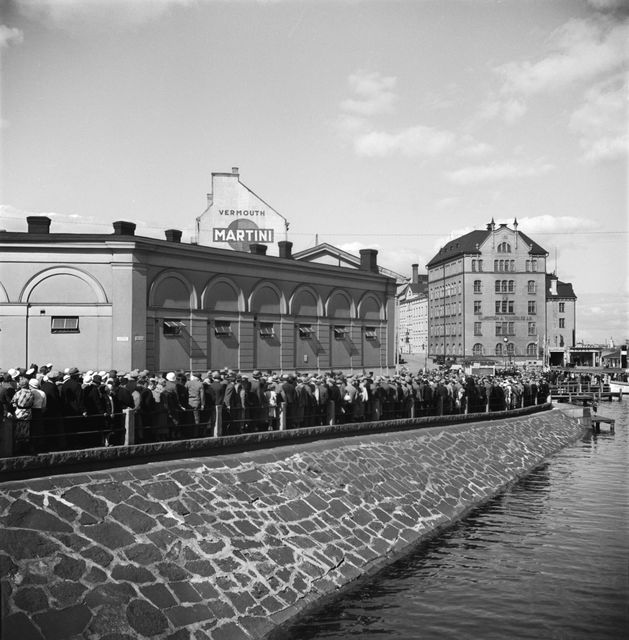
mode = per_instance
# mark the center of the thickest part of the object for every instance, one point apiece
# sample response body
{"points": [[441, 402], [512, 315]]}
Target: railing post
{"points": [[218, 421], [283, 407], [331, 414], [440, 405], [6, 438], [412, 409], [129, 426]]}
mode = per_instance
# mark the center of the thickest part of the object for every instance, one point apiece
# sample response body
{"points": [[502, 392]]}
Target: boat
{"points": [[618, 386]]}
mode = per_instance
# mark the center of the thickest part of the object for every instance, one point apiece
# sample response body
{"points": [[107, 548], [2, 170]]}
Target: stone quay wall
{"points": [[233, 545]]}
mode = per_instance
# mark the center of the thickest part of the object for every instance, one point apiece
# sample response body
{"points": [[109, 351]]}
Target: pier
{"points": [[583, 392]]}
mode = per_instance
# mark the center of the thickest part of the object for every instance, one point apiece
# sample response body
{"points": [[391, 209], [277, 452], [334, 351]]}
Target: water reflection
{"points": [[541, 560]]}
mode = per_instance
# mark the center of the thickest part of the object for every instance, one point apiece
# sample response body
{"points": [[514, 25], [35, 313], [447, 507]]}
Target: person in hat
{"points": [[195, 405], [73, 408], [258, 402], [37, 413], [169, 399]]}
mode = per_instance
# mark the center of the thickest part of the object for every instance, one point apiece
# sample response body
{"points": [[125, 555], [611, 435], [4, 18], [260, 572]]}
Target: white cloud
{"points": [[497, 171], [373, 94], [601, 121], [10, 35], [580, 50], [72, 14], [412, 142]]}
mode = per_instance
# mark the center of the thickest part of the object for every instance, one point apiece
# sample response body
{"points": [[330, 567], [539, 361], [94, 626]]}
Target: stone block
{"points": [[87, 502], [162, 490], [184, 592], [110, 593], [64, 623], [18, 626], [133, 518], [31, 599], [109, 534], [230, 631], [145, 619], [159, 595], [133, 574], [66, 592], [21, 544], [143, 554], [99, 556], [182, 616], [70, 568]]}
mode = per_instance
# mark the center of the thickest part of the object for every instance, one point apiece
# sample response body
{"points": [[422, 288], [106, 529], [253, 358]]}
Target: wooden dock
{"points": [[583, 392], [595, 421]]}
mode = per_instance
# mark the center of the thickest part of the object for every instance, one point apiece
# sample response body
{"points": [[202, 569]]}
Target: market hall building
{"points": [[119, 300]]}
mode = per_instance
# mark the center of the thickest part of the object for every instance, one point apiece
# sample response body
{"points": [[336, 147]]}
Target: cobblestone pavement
{"points": [[229, 547]]}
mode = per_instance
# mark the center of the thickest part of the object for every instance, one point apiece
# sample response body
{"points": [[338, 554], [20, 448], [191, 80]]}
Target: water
{"points": [[548, 558]]}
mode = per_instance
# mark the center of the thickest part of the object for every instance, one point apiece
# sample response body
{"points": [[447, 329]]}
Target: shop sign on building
{"points": [[236, 217]]}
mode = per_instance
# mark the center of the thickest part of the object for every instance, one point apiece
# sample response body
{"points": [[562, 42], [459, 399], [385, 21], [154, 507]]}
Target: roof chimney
{"points": [[122, 228], [235, 170], [369, 260], [38, 224], [415, 273], [258, 249], [173, 235], [286, 249]]}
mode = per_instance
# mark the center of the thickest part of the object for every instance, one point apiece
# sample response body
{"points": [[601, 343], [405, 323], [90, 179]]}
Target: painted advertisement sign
{"points": [[237, 218]]}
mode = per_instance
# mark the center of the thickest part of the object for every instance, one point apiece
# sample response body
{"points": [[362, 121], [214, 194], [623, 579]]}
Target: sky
{"points": [[385, 124]]}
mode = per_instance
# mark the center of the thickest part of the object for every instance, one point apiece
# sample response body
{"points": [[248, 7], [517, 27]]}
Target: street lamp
{"points": [[505, 340]]}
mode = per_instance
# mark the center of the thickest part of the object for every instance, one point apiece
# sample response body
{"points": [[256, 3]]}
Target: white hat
{"points": [[171, 377]]}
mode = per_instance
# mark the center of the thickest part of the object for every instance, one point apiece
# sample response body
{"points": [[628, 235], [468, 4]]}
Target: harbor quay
{"points": [[237, 535]]}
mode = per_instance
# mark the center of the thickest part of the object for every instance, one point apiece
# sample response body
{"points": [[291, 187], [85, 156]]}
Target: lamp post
{"points": [[505, 340]]}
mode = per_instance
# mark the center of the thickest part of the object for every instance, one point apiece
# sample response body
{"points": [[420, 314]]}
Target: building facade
{"points": [[487, 298], [102, 301], [413, 314], [561, 321]]}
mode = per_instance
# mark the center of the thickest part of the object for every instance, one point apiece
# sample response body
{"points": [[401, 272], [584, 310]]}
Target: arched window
{"points": [[510, 349], [511, 286], [504, 286], [477, 349], [531, 286], [499, 348], [504, 247], [531, 349]]}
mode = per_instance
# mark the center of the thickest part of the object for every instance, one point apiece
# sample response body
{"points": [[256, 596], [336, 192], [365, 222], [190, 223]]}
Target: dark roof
{"points": [[471, 242], [564, 289]]}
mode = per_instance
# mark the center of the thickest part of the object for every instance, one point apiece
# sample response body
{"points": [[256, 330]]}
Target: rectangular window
{"points": [[64, 324], [497, 288], [222, 328], [531, 286], [370, 333], [477, 287], [562, 307], [480, 265], [498, 328], [532, 307], [510, 328], [340, 332], [173, 327], [267, 330], [478, 328], [477, 306], [473, 265], [306, 331], [532, 329], [562, 323]]}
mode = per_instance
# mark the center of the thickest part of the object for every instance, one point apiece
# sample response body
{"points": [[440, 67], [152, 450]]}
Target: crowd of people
{"points": [[52, 410]]}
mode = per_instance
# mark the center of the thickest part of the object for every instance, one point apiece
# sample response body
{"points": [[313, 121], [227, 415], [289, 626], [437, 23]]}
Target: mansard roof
{"points": [[471, 242], [564, 289]]}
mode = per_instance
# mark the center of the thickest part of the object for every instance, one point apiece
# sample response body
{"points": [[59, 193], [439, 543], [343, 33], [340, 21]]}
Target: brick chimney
{"points": [[122, 228], [38, 224], [286, 249], [415, 268], [258, 249], [235, 171], [369, 260], [173, 235]]}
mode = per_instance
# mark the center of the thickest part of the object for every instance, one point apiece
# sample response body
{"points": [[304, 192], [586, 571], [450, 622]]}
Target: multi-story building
{"points": [[561, 319], [487, 297], [413, 314]]}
